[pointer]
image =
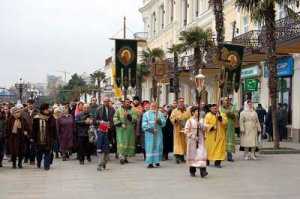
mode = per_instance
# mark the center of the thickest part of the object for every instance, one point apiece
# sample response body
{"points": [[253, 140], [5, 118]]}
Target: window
{"points": [[153, 24], [184, 12], [233, 29], [245, 24], [258, 26], [196, 8], [172, 2], [203, 6], [281, 12], [162, 15]]}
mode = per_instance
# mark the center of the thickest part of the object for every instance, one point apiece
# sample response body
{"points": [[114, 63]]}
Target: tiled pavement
{"points": [[269, 177]]}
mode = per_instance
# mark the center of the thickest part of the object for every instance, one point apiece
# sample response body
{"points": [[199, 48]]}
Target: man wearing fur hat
{"points": [[43, 134], [17, 132]]}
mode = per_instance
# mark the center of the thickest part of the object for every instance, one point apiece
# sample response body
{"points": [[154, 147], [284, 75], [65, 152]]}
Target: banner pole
{"points": [[124, 31]]}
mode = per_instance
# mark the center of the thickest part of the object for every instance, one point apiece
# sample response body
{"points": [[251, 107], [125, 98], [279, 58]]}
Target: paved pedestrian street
{"points": [[271, 176]]}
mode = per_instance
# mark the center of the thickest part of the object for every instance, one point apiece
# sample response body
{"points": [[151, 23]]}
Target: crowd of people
{"points": [[196, 135]]}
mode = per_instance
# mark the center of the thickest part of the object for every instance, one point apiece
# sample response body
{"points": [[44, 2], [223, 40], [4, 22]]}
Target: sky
{"points": [[40, 37]]}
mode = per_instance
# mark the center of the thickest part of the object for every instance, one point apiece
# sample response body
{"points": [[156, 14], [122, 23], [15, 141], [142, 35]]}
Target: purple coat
{"points": [[65, 127]]}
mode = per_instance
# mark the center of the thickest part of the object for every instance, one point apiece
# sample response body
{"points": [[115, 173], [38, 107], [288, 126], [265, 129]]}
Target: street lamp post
{"points": [[199, 83], [20, 86]]}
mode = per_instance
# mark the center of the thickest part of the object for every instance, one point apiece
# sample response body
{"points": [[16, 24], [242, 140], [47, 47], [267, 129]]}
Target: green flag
{"points": [[232, 55]]}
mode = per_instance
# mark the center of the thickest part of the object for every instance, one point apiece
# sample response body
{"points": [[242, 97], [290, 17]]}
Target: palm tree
{"points": [[263, 12], [218, 6], [176, 50], [96, 78], [199, 40], [150, 57]]}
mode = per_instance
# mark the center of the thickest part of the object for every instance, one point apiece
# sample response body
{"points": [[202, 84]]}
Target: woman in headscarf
{"points": [[65, 128], [77, 111], [250, 128], [83, 122], [17, 130]]}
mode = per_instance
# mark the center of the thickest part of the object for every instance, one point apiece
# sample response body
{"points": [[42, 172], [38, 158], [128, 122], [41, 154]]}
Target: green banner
{"points": [[126, 61], [251, 85], [232, 56]]}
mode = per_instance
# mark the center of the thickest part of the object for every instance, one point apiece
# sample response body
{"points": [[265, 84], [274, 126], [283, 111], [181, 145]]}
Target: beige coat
{"points": [[250, 126]]}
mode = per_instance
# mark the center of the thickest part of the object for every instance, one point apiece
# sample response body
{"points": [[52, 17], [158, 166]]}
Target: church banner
{"points": [[232, 55], [126, 61]]}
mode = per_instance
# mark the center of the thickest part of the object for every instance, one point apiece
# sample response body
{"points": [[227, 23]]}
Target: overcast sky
{"points": [[40, 37]]}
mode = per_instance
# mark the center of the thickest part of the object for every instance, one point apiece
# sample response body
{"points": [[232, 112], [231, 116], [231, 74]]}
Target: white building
{"points": [[165, 19]]}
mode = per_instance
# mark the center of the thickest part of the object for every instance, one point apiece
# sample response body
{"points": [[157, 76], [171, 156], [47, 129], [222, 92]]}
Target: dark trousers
{"points": [[229, 156], [14, 159], [32, 152], [43, 153], [2, 145], [179, 158], [27, 149], [83, 148]]}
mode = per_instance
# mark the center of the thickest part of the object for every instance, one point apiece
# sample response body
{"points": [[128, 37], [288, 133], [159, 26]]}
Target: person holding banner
{"points": [[125, 120], [196, 152], [230, 111], [215, 135], [152, 123]]}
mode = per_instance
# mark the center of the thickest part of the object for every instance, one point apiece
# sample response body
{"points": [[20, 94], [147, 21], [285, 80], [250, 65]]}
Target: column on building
{"points": [[264, 91], [295, 100]]}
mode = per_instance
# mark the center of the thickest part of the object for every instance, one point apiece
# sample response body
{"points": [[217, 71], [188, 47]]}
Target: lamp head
{"points": [[199, 80]]}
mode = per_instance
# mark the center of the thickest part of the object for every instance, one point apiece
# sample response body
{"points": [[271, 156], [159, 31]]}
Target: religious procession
{"points": [[194, 135]]}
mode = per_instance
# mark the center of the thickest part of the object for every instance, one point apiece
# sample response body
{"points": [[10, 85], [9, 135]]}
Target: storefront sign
{"points": [[285, 67], [250, 72], [251, 85]]}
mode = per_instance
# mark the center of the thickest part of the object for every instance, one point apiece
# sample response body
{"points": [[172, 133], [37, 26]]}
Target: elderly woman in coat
{"points": [[17, 131], [250, 128]]}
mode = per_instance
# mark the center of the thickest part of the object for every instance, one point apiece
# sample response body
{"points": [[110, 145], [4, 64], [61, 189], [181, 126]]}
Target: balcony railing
{"points": [[287, 29], [141, 35]]}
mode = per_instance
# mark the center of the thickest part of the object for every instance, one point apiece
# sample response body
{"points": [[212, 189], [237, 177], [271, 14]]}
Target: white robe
{"points": [[196, 156]]}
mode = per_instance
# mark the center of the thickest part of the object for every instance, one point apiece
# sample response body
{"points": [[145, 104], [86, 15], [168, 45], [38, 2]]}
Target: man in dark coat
{"points": [[105, 140], [168, 135], [28, 114], [3, 127], [43, 134]]}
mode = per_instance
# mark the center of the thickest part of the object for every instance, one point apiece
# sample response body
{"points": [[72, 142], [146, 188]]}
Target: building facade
{"points": [[165, 19]]}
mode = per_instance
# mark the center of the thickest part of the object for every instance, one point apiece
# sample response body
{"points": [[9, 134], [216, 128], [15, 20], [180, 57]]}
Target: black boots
{"points": [[179, 159], [193, 171], [20, 163], [14, 161], [218, 164], [203, 172], [150, 166]]}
